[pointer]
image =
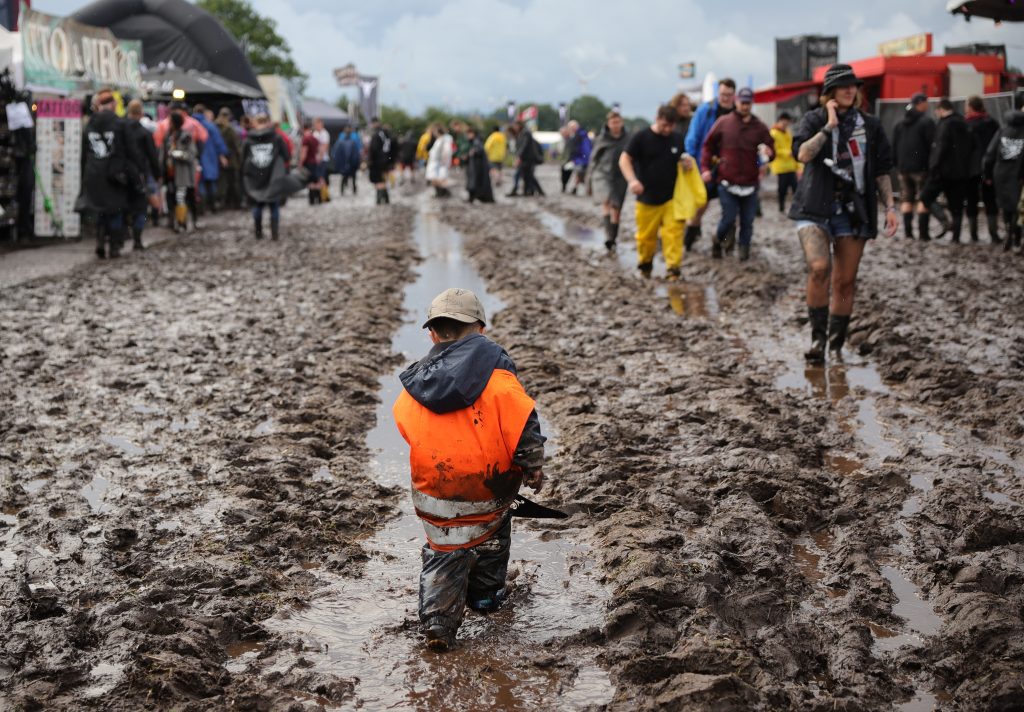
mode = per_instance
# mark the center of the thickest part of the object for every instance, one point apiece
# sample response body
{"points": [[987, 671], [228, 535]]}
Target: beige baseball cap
{"points": [[458, 304]]}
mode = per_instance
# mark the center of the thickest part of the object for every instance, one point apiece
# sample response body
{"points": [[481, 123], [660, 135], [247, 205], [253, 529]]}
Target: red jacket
{"points": [[735, 143]]}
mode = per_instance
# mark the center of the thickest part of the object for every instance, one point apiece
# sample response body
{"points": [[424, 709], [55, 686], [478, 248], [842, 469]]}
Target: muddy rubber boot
{"points": [[956, 226], [908, 225], [691, 236], [439, 638], [609, 236], [673, 274], [137, 239], [645, 268], [730, 239], [386, 196], [993, 227], [922, 226], [818, 317], [275, 230], [258, 232], [744, 253], [716, 248], [972, 225], [837, 327]]}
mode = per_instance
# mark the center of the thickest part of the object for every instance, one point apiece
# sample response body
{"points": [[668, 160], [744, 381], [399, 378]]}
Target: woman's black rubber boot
{"points": [[819, 334], [837, 327]]}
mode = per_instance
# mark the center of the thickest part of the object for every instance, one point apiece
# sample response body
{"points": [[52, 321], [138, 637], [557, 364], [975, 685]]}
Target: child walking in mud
{"points": [[474, 439]]}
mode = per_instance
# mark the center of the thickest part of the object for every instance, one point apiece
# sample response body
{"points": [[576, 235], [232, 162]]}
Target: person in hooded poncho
{"points": [[474, 439], [478, 176], [265, 176]]}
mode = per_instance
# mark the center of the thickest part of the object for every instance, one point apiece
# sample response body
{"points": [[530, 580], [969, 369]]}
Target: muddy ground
{"points": [[184, 464]]}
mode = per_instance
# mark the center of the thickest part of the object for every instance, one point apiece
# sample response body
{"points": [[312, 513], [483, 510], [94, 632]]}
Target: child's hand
{"points": [[534, 480]]}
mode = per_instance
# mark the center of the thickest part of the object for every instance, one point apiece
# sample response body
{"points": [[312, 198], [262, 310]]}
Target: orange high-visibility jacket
{"points": [[463, 479]]}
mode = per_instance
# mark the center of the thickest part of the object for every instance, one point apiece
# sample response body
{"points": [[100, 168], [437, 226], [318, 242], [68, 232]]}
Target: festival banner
{"points": [[63, 55]]}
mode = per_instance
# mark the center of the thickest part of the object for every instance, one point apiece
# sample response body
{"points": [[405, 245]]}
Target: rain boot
{"points": [[275, 230], [818, 317], [957, 219], [837, 327], [609, 239], [716, 248], [908, 225], [922, 226], [972, 224], [691, 236], [730, 238], [386, 196], [137, 239], [993, 227], [259, 228]]}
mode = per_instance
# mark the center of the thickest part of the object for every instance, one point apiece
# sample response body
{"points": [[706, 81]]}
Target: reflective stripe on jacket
{"points": [[463, 479]]}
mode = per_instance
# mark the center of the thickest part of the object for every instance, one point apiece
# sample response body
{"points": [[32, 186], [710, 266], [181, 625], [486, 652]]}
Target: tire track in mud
{"points": [[185, 437], [694, 475], [909, 506]]}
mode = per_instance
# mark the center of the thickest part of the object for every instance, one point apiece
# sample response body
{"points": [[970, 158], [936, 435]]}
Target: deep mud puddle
{"points": [[366, 629], [687, 299]]}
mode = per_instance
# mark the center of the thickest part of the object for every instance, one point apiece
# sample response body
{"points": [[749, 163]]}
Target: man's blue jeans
{"points": [[275, 212], [732, 206]]}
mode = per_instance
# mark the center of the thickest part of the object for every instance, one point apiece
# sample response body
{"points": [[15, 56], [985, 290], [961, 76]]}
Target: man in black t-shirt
{"points": [[649, 166]]}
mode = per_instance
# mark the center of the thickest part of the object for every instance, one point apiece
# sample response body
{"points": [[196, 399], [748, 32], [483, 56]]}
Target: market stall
{"points": [[64, 63]]}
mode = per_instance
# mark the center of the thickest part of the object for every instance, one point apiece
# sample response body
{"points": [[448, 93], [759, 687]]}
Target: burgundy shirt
{"points": [[735, 143]]}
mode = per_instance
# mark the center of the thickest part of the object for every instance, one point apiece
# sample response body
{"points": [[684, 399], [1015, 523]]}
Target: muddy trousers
{"points": [[787, 183], [652, 220], [452, 579], [109, 226]]}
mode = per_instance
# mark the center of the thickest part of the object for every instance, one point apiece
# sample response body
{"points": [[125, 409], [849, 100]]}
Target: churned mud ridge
{"points": [[938, 500], [183, 434], [694, 476]]}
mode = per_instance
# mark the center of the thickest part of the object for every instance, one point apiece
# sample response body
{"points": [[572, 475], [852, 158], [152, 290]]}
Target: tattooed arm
{"points": [[810, 148], [884, 185]]}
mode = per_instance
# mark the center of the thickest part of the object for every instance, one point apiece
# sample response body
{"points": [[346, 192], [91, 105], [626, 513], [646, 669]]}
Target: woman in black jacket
{"points": [[847, 160]]}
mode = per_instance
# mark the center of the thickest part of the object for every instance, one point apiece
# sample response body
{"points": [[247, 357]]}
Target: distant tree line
{"points": [[589, 110]]}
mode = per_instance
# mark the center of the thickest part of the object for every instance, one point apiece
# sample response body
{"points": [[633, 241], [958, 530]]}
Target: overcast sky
{"points": [[476, 54]]}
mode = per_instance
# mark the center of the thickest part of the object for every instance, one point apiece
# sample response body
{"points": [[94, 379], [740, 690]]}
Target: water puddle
{"points": [[94, 491], [107, 676], [687, 299], [367, 627], [265, 428], [920, 618], [34, 485], [191, 422], [8, 527], [124, 445], [143, 409]]}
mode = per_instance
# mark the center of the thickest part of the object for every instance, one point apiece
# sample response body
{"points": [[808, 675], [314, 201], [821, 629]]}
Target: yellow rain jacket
{"points": [[421, 146], [784, 161], [496, 147], [690, 195]]}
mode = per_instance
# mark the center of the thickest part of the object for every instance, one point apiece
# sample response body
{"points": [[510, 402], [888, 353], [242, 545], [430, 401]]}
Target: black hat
{"points": [[840, 75]]}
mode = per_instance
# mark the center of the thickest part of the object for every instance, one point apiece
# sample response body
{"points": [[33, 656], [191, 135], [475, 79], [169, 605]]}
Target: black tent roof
{"points": [[1000, 10], [173, 31]]}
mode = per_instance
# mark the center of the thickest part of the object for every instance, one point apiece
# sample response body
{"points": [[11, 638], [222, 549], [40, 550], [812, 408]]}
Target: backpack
{"points": [[538, 150]]}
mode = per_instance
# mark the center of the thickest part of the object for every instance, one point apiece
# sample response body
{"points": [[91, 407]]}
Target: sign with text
{"points": [[58, 165], [347, 76], [912, 46], [64, 55]]}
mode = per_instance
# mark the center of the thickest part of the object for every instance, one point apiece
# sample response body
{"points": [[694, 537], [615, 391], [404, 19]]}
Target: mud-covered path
{"points": [[884, 536], [186, 482], [183, 435]]}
